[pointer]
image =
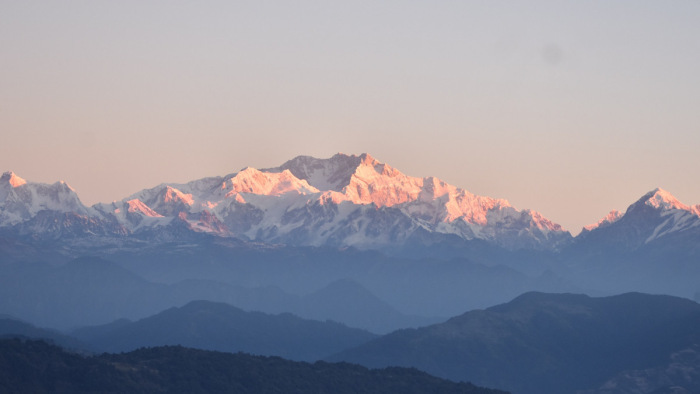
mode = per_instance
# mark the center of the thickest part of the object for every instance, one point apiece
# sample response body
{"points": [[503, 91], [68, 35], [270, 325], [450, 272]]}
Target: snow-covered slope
{"points": [[657, 215], [345, 200], [607, 220], [43, 211], [671, 215], [341, 201], [21, 200]]}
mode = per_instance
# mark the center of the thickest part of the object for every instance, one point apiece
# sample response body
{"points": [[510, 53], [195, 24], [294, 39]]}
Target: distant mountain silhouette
{"points": [[93, 290], [543, 343], [10, 328], [218, 326], [347, 301], [357, 288]]}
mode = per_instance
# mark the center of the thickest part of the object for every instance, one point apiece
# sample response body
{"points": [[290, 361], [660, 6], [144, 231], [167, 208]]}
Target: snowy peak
{"points": [[378, 183], [661, 199], [434, 188], [673, 216], [657, 214], [163, 199], [10, 178], [339, 173], [37, 196], [255, 181], [429, 203], [363, 180], [381, 184], [610, 218], [21, 200], [324, 174]]}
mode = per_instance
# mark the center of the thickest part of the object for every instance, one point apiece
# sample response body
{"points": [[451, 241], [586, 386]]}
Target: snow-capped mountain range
{"points": [[345, 200]]}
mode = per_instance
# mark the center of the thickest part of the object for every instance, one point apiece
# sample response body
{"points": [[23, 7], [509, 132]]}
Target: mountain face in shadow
{"points": [[10, 328], [679, 375], [36, 367], [347, 301], [218, 326], [543, 343]]}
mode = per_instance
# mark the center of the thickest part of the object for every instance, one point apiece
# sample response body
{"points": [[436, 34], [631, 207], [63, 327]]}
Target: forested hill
{"points": [[37, 367]]}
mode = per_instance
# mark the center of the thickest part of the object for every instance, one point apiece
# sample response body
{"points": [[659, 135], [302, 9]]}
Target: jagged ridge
{"points": [[655, 215], [345, 200]]}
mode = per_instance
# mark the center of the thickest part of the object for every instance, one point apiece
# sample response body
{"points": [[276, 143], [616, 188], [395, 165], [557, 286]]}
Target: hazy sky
{"points": [[568, 108]]}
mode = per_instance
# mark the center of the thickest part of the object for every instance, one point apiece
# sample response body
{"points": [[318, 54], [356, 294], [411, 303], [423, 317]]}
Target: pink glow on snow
{"points": [[380, 184], [137, 206], [13, 179], [611, 217], [253, 181], [175, 195], [665, 200]]}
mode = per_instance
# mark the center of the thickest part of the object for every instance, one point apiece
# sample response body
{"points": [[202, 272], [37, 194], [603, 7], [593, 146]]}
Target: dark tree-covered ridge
{"points": [[37, 367]]}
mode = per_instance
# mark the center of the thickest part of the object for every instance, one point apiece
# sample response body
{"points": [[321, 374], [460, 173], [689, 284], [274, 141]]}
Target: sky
{"points": [[568, 108]]}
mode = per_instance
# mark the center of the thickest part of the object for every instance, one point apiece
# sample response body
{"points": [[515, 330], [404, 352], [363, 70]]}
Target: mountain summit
{"points": [[657, 214], [21, 201], [342, 201], [662, 200], [11, 179]]}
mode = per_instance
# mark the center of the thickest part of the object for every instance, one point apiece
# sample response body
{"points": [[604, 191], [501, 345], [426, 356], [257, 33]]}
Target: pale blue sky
{"points": [[568, 108]]}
